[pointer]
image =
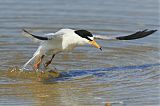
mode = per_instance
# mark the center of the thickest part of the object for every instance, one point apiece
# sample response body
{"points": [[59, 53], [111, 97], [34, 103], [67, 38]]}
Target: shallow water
{"points": [[123, 74]]}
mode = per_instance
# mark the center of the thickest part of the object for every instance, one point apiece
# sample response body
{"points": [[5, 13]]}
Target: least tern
{"points": [[68, 39]]}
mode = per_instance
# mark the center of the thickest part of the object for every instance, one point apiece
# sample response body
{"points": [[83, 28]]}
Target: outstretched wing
{"points": [[137, 35], [48, 36], [35, 36]]}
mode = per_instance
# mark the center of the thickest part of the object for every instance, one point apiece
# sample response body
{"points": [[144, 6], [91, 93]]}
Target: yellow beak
{"points": [[95, 44]]}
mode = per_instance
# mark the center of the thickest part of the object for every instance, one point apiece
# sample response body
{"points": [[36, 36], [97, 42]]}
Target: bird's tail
{"points": [[24, 66], [35, 37], [38, 53]]}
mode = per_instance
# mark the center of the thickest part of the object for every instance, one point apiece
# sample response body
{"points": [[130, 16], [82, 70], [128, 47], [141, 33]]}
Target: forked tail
{"points": [[24, 66], [37, 53]]}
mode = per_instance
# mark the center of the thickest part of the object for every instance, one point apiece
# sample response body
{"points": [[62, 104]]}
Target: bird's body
{"points": [[61, 41], [68, 39]]}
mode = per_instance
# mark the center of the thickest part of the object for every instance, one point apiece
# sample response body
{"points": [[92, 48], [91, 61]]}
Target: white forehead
{"points": [[92, 38]]}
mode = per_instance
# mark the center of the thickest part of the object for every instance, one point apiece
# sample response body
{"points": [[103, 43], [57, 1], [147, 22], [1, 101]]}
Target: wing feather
{"points": [[49, 36], [136, 35]]}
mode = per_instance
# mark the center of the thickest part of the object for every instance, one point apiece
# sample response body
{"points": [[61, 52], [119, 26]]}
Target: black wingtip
{"points": [[25, 31], [154, 30], [149, 32], [137, 35], [35, 36]]}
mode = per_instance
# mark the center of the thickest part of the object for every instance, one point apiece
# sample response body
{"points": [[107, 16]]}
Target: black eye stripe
{"points": [[84, 34]]}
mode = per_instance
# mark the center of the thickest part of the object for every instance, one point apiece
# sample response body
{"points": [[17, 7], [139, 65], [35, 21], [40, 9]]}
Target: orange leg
{"points": [[36, 65]]}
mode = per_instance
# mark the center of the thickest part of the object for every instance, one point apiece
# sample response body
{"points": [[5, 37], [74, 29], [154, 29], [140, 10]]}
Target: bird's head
{"points": [[87, 37]]}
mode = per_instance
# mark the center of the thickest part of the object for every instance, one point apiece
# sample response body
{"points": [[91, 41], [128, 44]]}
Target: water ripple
{"points": [[100, 72]]}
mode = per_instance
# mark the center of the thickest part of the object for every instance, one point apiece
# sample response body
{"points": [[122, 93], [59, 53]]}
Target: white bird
{"points": [[68, 39]]}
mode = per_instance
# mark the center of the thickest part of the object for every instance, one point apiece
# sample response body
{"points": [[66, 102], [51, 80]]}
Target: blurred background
{"points": [[107, 17]]}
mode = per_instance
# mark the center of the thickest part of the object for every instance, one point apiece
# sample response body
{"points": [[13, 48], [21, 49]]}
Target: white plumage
{"points": [[63, 40], [68, 39]]}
